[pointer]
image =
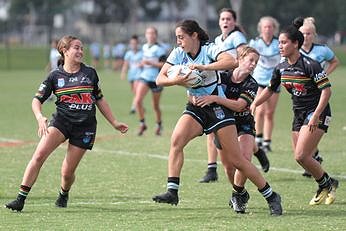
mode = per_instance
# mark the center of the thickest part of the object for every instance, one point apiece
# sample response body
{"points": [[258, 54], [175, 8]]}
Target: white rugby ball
{"points": [[195, 79]]}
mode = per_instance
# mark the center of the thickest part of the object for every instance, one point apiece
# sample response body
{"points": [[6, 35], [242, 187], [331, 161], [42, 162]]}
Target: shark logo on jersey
{"points": [[61, 82], [219, 113]]}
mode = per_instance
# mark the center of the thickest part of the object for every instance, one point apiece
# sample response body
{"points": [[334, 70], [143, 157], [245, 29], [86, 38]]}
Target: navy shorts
{"points": [[212, 117], [302, 117], [245, 126], [152, 85], [80, 135]]}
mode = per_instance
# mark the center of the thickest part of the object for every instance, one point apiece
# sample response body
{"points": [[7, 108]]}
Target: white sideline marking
{"points": [[162, 157], [95, 203], [4, 139]]}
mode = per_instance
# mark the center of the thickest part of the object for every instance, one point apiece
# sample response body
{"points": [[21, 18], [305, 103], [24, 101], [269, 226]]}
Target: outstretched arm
{"points": [[107, 113], [265, 94]]}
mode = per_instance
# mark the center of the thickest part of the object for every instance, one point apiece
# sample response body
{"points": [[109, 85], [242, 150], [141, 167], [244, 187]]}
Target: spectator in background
{"points": [[131, 67], [118, 52], [95, 52], [54, 56], [107, 55]]}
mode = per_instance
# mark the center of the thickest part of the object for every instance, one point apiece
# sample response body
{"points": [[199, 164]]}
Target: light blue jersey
{"points": [[208, 54], [133, 60], [269, 58], [234, 39], [153, 53], [320, 53]]}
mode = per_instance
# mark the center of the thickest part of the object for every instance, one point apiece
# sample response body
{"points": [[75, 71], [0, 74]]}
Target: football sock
{"points": [[142, 122], [63, 192], [212, 167], [324, 181], [173, 184], [239, 189], [267, 142], [23, 192], [259, 139], [316, 155], [266, 191]]}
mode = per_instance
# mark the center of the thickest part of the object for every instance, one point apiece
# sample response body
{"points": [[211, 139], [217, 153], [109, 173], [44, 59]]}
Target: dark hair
{"points": [[234, 15], [191, 26], [64, 42], [293, 33], [229, 10], [134, 37]]}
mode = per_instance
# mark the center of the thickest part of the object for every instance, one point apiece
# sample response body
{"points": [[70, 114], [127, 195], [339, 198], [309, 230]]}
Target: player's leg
{"points": [[185, 130]]}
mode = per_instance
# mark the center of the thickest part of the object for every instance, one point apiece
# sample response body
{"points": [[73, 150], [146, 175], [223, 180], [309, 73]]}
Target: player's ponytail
{"points": [[190, 27], [293, 33]]}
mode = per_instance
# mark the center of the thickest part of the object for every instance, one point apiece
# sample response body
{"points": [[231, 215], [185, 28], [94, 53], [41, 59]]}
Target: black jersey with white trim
{"points": [[304, 80], [76, 93], [247, 90]]}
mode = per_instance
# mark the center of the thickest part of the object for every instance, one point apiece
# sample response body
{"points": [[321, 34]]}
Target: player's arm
{"points": [[332, 65], [105, 109], [237, 105], [36, 107], [176, 79], [224, 61], [124, 70]]}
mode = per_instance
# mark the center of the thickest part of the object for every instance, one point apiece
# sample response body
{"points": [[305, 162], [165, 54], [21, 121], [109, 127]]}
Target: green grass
{"points": [[116, 180]]}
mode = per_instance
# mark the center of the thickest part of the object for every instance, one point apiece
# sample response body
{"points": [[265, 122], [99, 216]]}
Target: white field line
{"points": [[162, 157], [4, 139], [96, 203], [165, 157]]}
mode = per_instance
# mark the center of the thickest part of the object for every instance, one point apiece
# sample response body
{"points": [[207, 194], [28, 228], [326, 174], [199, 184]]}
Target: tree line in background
{"points": [[330, 15]]}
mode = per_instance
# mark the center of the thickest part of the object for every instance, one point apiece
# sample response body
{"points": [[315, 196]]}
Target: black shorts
{"points": [[245, 126], [152, 85], [302, 117], [276, 90], [80, 135], [212, 117]]}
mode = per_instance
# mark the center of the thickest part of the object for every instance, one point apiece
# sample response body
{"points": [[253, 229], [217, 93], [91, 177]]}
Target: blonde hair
{"points": [[275, 23], [245, 50], [309, 22]]}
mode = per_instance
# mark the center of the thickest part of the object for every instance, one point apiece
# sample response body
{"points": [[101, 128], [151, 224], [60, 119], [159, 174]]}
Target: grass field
{"points": [[116, 180]]}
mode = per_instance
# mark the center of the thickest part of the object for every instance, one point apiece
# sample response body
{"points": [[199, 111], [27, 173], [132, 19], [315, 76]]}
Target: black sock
{"points": [[239, 189], [23, 192], [325, 181], [267, 192], [173, 184], [64, 192], [212, 167]]}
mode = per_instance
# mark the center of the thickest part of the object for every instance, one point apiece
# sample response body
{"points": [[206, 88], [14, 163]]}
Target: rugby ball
{"points": [[195, 79]]}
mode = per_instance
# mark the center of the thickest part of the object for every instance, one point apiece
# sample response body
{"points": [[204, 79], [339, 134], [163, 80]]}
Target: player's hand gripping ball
{"points": [[194, 78]]}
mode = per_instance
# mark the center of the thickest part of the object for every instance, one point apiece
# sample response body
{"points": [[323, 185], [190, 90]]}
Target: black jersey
{"points": [[246, 90], [304, 80], [76, 93]]}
